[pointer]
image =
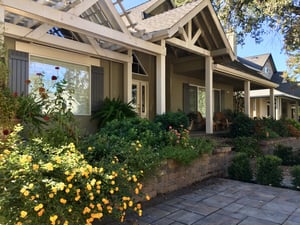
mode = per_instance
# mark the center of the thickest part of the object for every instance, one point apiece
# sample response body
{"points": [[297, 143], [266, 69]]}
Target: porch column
{"points": [[128, 78], [161, 82], [209, 94], [297, 111], [272, 103], [247, 97], [2, 20]]}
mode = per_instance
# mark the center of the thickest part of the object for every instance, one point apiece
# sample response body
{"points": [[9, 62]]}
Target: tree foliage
{"points": [[254, 17]]}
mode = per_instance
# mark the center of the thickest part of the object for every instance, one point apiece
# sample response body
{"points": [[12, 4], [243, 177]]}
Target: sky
{"points": [[271, 43]]}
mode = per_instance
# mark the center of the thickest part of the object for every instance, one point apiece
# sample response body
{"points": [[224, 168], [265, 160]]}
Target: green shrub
{"points": [[278, 126], [242, 125], [240, 168], [113, 109], [180, 154], [248, 145], [134, 141], [268, 170], [202, 145], [173, 120], [295, 172], [285, 153]]}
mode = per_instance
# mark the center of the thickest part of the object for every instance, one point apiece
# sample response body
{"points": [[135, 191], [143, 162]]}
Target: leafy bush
{"points": [[240, 169], [278, 126], [295, 172], [242, 125], [173, 120], [43, 184], [285, 153], [248, 145], [113, 109], [268, 170], [180, 154], [202, 145]]}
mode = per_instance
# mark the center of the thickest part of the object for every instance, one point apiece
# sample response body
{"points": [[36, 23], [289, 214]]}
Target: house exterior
{"points": [[160, 55], [286, 95]]}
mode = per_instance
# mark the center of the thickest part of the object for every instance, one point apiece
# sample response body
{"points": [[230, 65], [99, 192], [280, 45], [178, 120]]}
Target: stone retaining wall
{"points": [[268, 146], [172, 176]]}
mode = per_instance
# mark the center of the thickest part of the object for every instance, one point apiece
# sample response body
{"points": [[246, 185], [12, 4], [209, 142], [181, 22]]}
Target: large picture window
{"points": [[77, 77]]}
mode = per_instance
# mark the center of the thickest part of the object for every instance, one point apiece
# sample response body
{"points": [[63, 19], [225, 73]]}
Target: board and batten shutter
{"points": [[18, 71], [97, 87]]}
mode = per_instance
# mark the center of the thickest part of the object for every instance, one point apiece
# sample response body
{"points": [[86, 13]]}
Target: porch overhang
{"points": [[71, 21], [243, 76]]}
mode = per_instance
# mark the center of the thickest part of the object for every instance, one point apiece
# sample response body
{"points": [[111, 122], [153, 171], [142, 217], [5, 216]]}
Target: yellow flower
{"points": [[22, 190], [66, 222], [97, 215], [31, 185], [69, 178], [86, 210], [88, 187], [77, 198], [136, 191], [140, 186], [148, 197], [49, 166], [19, 223], [130, 203], [41, 212], [23, 214], [6, 152], [53, 219], [35, 167], [134, 178], [111, 191], [116, 188], [105, 201], [99, 207], [63, 201], [92, 205], [139, 205], [51, 195], [93, 182], [38, 207], [70, 185], [26, 193], [58, 159], [90, 148], [109, 209], [61, 186], [67, 190], [113, 182], [140, 212]]}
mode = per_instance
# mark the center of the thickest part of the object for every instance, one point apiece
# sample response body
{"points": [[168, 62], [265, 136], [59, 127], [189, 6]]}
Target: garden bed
{"points": [[172, 176]]}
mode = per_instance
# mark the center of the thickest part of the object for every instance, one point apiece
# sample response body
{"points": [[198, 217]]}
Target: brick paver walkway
{"points": [[225, 202]]}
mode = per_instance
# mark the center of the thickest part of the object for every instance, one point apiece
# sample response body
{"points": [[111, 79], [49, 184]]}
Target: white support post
{"points": [[209, 94], [128, 78], [297, 111], [272, 103], [247, 97], [2, 20], [161, 82]]}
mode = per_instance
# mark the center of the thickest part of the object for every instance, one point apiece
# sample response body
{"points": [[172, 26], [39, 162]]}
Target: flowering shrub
{"points": [[42, 184], [46, 110]]}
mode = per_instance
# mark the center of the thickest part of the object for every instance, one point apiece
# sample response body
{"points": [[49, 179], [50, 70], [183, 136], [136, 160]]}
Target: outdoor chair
{"points": [[220, 121]]}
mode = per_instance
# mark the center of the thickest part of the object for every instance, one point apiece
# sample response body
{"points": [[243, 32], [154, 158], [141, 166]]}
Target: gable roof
{"points": [[167, 24], [259, 61], [291, 88]]}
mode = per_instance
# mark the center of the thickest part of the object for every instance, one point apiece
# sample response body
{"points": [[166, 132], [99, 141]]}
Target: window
{"points": [[77, 76], [137, 66]]}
